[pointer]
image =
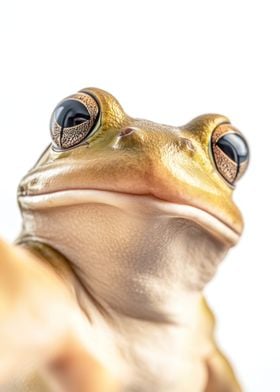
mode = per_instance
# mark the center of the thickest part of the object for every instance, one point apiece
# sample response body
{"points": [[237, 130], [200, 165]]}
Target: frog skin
{"points": [[124, 223]]}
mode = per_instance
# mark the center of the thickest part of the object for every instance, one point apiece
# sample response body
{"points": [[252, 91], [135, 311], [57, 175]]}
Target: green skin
{"points": [[141, 171]]}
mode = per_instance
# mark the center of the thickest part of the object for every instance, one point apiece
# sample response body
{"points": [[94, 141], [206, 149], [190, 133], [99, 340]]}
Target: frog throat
{"points": [[130, 249]]}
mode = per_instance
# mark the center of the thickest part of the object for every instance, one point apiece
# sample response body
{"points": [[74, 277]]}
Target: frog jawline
{"points": [[137, 204]]}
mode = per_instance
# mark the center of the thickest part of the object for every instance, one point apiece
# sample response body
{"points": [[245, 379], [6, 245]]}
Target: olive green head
{"points": [[96, 145]]}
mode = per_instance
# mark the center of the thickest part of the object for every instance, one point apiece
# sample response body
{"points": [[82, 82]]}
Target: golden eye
{"points": [[73, 120], [230, 152]]}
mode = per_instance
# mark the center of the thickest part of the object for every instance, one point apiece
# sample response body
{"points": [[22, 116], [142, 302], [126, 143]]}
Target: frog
{"points": [[124, 222]]}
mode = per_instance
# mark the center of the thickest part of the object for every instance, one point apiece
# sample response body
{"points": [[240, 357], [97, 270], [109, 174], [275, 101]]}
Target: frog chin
{"points": [[140, 256], [135, 204]]}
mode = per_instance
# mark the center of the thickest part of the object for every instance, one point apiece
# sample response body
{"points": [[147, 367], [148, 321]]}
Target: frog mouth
{"points": [[135, 204]]}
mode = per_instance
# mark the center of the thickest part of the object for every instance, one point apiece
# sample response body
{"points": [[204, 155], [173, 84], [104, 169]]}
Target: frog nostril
{"points": [[186, 144], [127, 131]]}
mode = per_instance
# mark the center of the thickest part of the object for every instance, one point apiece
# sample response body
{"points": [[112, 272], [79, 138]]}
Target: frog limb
{"points": [[221, 376], [40, 321]]}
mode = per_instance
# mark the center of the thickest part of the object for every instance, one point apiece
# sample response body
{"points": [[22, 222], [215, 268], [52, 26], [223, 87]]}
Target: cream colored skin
{"points": [[121, 234]]}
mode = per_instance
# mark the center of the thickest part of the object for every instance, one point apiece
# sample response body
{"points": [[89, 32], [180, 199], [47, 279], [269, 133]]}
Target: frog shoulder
{"points": [[206, 318]]}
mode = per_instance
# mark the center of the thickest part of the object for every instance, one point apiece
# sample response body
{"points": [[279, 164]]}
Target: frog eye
{"points": [[230, 152], [73, 120]]}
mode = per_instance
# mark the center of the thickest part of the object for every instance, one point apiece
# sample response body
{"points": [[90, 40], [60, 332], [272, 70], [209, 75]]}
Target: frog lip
{"points": [[137, 204]]}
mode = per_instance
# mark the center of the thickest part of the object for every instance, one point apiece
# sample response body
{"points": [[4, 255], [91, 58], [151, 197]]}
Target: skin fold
{"points": [[123, 226]]}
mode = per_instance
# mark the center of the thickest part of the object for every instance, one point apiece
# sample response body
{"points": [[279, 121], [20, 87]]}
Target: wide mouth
{"points": [[133, 204]]}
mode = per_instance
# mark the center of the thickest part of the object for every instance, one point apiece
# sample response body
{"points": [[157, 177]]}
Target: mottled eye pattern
{"points": [[230, 152], [73, 120]]}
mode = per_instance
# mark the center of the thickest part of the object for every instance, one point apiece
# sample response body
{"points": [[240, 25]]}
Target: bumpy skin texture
{"points": [[170, 163], [120, 235]]}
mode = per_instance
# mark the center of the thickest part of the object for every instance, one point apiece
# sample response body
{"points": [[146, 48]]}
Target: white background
{"points": [[166, 61]]}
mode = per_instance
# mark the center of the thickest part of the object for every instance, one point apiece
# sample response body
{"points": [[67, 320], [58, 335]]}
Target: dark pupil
{"points": [[71, 113], [234, 146]]}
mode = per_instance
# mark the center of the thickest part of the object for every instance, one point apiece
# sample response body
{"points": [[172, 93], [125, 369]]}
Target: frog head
{"points": [[156, 199]]}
